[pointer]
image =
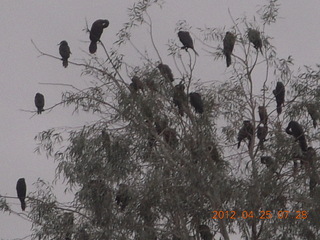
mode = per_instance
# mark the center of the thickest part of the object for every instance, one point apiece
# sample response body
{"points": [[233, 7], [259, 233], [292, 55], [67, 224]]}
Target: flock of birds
{"points": [[180, 101]]}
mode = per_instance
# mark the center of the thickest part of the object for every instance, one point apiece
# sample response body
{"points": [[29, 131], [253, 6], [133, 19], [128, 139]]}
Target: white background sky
{"points": [[48, 22]]}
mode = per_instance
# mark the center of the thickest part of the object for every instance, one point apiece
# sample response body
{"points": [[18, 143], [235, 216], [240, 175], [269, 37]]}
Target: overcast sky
{"points": [[48, 22]]}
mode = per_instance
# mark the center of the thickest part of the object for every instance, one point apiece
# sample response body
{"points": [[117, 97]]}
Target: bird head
{"points": [[64, 42]]}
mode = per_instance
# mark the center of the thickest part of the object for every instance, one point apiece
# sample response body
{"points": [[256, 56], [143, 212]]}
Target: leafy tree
{"points": [[151, 167]]}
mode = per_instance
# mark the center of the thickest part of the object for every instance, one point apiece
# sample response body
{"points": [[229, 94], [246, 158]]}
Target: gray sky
{"points": [[48, 22]]}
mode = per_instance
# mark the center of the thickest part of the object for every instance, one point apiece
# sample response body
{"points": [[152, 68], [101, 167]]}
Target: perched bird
{"points": [[196, 102], [312, 184], [95, 33], [279, 93], [295, 129], [21, 192], [105, 140], [123, 196], [255, 39], [136, 84], [205, 233], [262, 132], [186, 40], [314, 113], [39, 102], [246, 132], [65, 52], [263, 115], [166, 72], [269, 162], [170, 136], [228, 44], [180, 98]]}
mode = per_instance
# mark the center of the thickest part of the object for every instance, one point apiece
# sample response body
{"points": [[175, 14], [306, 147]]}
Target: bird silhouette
{"points": [[263, 115], [205, 233], [295, 129], [123, 196], [21, 192], [246, 132], [228, 44], [180, 98], [39, 102], [314, 113], [95, 33], [196, 102], [186, 40], [262, 132], [255, 39], [166, 72], [279, 93], [64, 51], [136, 84]]}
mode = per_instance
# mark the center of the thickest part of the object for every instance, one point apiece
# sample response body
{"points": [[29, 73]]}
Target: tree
{"points": [[143, 170]]}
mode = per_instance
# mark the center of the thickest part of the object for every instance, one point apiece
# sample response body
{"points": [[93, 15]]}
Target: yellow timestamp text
{"points": [[283, 214]]}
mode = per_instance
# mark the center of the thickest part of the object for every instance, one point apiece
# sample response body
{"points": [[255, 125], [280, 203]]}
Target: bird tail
{"points": [[23, 204], [315, 123], [65, 62], [303, 144], [279, 109], [261, 51], [261, 145], [181, 109], [239, 144], [195, 51], [40, 111], [93, 47], [228, 58]]}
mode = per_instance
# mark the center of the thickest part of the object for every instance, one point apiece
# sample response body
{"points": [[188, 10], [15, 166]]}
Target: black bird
{"points": [[295, 129], [180, 98], [269, 162], [314, 113], [166, 72], [186, 40], [228, 44], [263, 115], [262, 132], [279, 93], [196, 102], [136, 84], [255, 39], [312, 184], [95, 33], [123, 196], [39, 102], [21, 192], [205, 233], [170, 136], [65, 52], [246, 132]]}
